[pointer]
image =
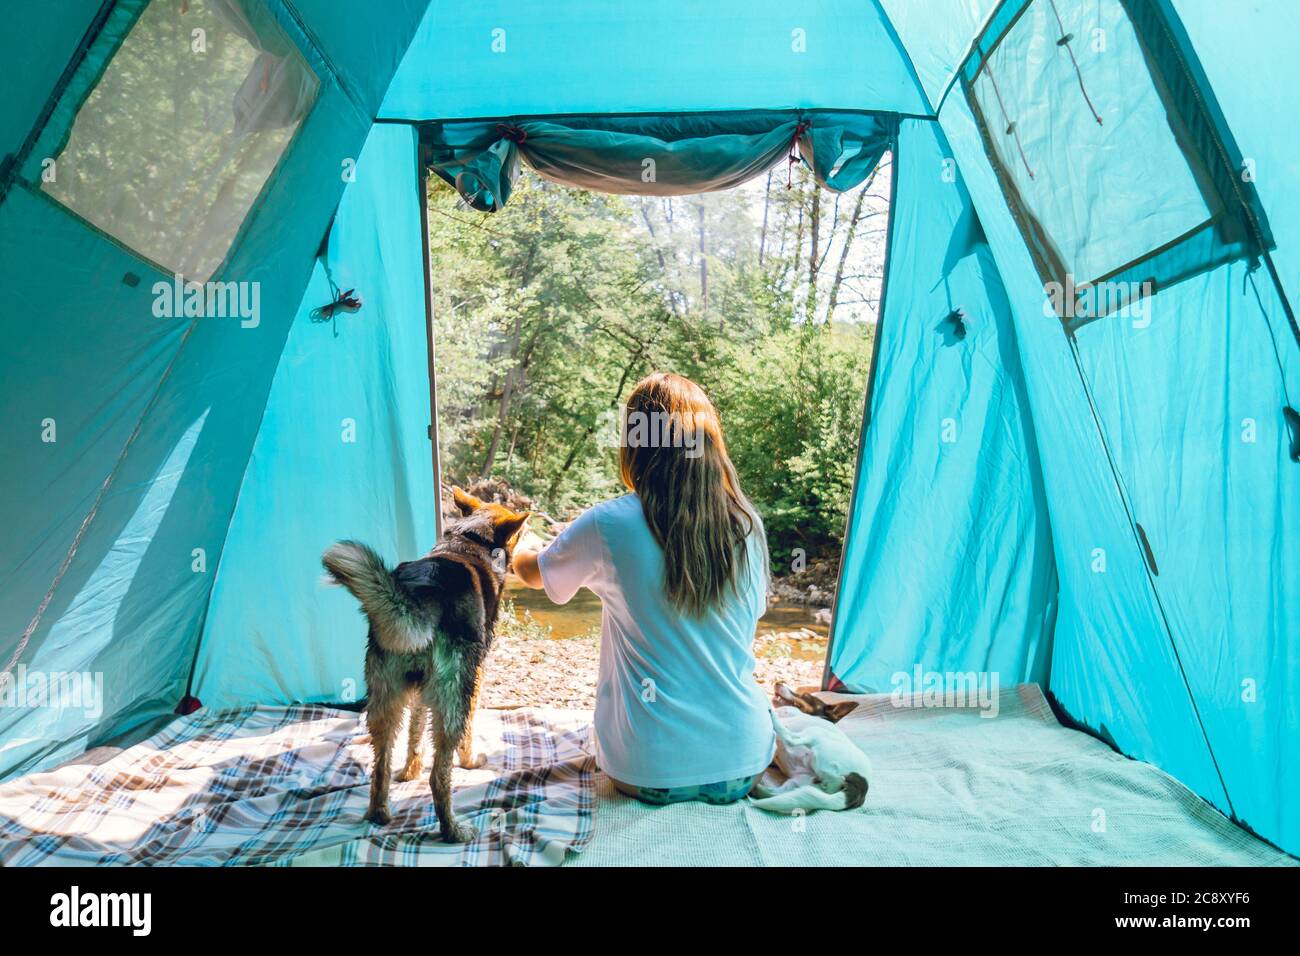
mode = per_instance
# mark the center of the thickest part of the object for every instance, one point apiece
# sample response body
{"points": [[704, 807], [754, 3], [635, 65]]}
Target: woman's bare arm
{"points": [[526, 568], [525, 559]]}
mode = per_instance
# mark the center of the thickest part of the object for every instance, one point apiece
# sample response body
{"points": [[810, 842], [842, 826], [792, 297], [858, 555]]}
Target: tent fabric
{"points": [[363, 47], [937, 36], [1223, 584], [115, 520], [1270, 160], [1170, 493], [1105, 502], [1169, 420], [342, 452], [948, 488], [1108, 631], [498, 58], [659, 156], [37, 47]]}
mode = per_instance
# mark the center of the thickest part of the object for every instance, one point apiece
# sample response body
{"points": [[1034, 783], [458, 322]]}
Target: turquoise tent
{"points": [[1080, 459]]}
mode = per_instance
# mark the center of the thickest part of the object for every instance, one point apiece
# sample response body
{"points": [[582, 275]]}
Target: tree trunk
{"points": [[590, 429], [659, 255], [848, 245], [507, 387], [794, 259], [514, 441], [704, 263], [814, 228], [767, 205], [507, 391]]}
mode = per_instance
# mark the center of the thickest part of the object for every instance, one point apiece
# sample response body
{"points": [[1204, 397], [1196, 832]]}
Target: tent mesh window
{"points": [[1107, 151], [172, 126]]}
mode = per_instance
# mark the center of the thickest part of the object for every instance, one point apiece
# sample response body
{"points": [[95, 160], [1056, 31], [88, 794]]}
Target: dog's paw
{"points": [[472, 761], [379, 816], [459, 832], [414, 770]]}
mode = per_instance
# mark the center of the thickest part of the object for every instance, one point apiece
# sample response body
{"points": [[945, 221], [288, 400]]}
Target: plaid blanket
{"points": [[289, 786]]}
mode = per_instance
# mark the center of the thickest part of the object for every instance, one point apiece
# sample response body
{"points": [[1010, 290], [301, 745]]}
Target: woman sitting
{"points": [[680, 565]]}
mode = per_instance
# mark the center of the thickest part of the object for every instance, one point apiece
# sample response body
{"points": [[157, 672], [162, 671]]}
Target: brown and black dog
{"points": [[431, 626]]}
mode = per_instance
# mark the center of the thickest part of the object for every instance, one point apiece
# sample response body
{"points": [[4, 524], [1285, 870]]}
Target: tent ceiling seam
{"points": [[970, 51], [308, 36], [648, 114], [907, 55], [13, 163]]}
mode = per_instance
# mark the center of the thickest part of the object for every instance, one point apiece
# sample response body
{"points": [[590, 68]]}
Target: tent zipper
{"points": [[1139, 535], [1146, 549]]}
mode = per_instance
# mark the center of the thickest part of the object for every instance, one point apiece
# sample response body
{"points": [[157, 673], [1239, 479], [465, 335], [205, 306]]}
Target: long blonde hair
{"points": [[673, 455]]}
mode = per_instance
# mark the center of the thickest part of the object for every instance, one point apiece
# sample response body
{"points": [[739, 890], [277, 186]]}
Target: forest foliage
{"points": [[548, 312]]}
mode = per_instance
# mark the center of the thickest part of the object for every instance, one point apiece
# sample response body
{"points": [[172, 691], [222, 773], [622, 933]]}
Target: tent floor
{"points": [[951, 788], [277, 785]]}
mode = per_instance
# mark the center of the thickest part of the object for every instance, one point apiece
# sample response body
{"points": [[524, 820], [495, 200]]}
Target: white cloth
{"points": [[951, 788], [677, 704]]}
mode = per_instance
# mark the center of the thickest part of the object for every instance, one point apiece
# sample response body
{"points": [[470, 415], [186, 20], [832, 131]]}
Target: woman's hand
{"points": [[529, 545], [530, 540]]}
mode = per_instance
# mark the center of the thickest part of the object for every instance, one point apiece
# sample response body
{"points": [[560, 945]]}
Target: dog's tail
{"points": [[812, 797], [396, 619]]}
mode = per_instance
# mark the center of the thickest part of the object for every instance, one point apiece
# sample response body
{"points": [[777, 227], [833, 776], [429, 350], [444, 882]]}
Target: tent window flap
{"points": [[655, 155]]}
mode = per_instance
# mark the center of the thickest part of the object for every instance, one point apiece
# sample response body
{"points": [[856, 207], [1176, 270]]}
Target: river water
{"points": [[582, 614]]}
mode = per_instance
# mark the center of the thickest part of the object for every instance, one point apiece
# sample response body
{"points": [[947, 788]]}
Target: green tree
{"points": [[549, 311]]}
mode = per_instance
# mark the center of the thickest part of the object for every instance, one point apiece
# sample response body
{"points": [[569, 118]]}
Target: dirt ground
{"points": [[528, 669]]}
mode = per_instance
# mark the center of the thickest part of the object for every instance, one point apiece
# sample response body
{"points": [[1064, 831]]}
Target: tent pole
{"points": [[423, 179]]}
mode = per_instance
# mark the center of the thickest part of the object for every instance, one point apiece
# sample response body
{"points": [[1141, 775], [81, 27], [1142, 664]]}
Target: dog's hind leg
{"points": [[444, 745], [414, 738], [465, 752], [383, 715], [449, 713]]}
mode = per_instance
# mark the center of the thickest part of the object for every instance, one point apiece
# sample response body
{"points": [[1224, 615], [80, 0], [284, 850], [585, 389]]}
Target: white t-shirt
{"points": [[677, 704]]}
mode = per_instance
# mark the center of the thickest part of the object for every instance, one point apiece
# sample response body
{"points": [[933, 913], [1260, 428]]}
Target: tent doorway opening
{"points": [[548, 311]]}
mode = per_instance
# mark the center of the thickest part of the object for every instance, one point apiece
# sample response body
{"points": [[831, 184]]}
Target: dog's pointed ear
{"points": [[510, 525], [467, 504], [837, 712]]}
